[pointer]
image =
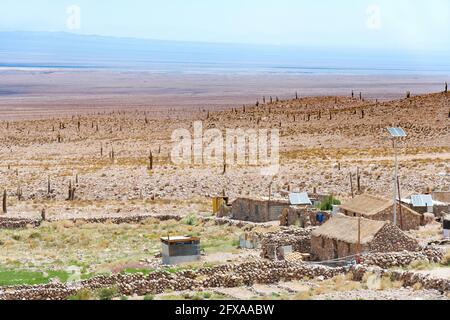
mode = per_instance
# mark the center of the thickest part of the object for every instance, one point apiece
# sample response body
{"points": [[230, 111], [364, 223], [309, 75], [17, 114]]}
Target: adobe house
{"points": [[338, 238], [176, 250], [258, 210], [381, 209]]}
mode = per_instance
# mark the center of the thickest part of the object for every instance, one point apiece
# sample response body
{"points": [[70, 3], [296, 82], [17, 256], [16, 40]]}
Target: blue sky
{"points": [[411, 25]]}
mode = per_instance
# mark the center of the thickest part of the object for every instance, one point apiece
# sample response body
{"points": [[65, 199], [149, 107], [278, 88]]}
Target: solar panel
{"points": [[299, 199], [397, 132], [422, 200]]}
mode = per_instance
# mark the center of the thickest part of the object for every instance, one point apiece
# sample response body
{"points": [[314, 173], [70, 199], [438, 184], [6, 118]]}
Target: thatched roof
{"points": [[343, 228], [367, 205]]}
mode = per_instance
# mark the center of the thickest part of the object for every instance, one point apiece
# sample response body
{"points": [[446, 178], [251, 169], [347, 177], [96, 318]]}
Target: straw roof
{"points": [[367, 205], [345, 229]]}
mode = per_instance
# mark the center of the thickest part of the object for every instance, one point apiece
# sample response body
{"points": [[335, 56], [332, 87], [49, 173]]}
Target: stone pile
{"points": [[392, 239], [401, 259], [272, 243]]}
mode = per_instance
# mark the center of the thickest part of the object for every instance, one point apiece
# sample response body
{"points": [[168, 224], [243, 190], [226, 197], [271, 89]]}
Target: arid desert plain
{"points": [[91, 187]]}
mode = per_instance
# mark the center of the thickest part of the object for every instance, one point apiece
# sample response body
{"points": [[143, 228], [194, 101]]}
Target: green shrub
{"points": [[327, 204], [190, 220], [207, 295], [83, 294], [149, 297], [107, 293]]}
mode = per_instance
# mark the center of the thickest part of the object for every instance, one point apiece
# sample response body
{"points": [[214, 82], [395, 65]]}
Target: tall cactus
{"points": [[4, 206]]}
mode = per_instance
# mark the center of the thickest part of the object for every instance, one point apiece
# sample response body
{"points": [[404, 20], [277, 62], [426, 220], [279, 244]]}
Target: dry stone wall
{"points": [[299, 239], [246, 274], [402, 259]]}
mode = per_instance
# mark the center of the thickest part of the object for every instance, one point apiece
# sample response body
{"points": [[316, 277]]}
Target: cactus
{"points": [[71, 191], [408, 94], [446, 88], [19, 193], [296, 95], [150, 161], [49, 185], [5, 209]]}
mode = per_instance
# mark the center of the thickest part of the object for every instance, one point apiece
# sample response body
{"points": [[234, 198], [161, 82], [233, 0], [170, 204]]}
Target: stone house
{"points": [[258, 210], [338, 238], [380, 209]]}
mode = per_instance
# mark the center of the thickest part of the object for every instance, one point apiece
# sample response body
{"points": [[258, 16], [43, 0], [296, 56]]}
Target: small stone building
{"points": [[258, 210], [338, 238], [380, 209]]}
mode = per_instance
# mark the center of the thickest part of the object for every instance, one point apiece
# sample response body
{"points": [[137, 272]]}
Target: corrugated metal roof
{"points": [[397, 132], [422, 200], [299, 199]]}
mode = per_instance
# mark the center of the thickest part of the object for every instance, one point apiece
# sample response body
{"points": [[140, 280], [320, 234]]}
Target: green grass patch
{"points": [[24, 277]]}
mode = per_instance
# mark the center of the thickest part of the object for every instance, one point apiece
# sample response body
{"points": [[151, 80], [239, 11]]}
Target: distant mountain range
{"points": [[67, 50]]}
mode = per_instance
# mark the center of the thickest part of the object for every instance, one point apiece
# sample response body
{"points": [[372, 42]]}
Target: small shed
{"points": [[422, 203], [446, 227], [176, 250], [338, 238]]}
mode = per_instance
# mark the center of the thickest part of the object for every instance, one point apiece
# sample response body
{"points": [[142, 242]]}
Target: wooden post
{"points": [[351, 185], [358, 180], [358, 248], [400, 203]]}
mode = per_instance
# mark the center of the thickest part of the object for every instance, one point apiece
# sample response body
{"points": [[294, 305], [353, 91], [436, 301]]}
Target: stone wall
{"points": [[228, 276], [408, 220], [401, 259], [13, 223], [18, 223], [222, 276], [299, 239]]}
